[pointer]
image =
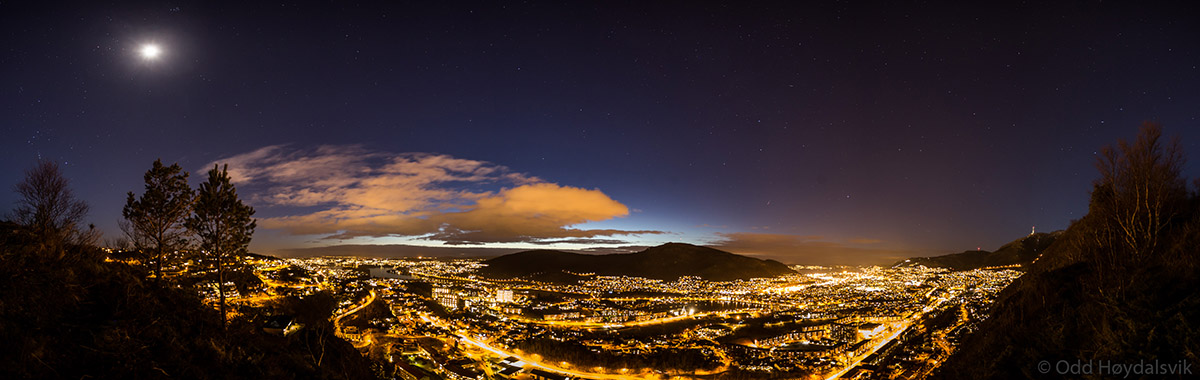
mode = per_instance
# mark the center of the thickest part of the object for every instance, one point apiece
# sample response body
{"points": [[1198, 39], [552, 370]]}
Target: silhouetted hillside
{"points": [[261, 256], [1022, 252], [1064, 309], [69, 314], [1120, 286], [665, 262]]}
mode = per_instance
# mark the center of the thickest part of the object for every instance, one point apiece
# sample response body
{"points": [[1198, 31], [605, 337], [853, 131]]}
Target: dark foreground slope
{"points": [[69, 314], [665, 262], [1066, 309], [1021, 252], [1120, 287]]}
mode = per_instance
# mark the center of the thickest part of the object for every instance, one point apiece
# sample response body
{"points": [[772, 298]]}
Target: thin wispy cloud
{"points": [[344, 192], [810, 249]]}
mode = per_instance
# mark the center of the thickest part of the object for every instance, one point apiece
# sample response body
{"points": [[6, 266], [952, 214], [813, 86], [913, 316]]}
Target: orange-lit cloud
{"points": [[348, 192], [532, 212], [810, 249]]}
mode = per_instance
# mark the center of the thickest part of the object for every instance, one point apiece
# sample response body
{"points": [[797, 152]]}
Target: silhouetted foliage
{"points": [[155, 220], [67, 313], [377, 310], [1140, 195], [313, 312], [1119, 285], [221, 222], [49, 211], [96, 319]]}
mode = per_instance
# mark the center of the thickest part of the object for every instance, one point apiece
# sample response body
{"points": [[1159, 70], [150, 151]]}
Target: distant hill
{"points": [[261, 256], [1022, 252], [665, 262]]}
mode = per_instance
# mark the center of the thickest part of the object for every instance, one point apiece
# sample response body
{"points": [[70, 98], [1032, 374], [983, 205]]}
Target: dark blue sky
{"points": [[835, 133]]}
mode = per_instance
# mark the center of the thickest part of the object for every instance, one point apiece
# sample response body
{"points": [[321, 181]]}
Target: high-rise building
{"points": [[446, 297], [504, 295]]}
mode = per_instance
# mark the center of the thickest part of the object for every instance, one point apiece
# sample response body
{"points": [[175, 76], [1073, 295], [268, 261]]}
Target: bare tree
{"points": [[48, 208], [1139, 193]]}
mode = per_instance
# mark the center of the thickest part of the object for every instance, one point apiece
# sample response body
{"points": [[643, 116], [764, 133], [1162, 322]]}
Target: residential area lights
{"points": [[811, 324]]}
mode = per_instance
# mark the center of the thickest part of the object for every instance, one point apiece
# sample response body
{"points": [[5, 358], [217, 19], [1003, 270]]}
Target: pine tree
{"points": [[221, 222], [156, 220]]}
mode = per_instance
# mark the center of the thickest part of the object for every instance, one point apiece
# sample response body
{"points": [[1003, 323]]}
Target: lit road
{"points": [[554, 368], [904, 325], [582, 324], [865, 355], [337, 322], [529, 361]]}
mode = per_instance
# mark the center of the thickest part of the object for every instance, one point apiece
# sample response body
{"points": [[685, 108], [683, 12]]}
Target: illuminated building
{"points": [[446, 297], [504, 295]]}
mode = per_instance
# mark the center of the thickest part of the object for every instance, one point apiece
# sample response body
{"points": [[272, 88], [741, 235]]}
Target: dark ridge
{"points": [[1066, 308], [1118, 287], [1020, 252], [261, 256], [665, 262], [69, 314]]}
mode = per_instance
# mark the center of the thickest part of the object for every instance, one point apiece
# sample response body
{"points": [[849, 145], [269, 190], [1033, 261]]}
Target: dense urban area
{"points": [[432, 318]]}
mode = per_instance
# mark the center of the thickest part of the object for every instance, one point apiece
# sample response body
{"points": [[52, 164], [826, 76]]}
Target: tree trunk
{"points": [[158, 265], [220, 280], [221, 288]]}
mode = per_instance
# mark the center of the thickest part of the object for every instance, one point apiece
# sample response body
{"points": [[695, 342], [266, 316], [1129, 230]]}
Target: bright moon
{"points": [[150, 51]]}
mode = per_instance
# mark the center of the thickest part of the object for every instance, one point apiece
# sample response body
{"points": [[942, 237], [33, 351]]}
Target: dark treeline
{"points": [[66, 311], [210, 222]]}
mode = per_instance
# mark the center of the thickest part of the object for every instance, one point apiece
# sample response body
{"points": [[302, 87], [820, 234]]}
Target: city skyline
{"points": [[838, 134]]}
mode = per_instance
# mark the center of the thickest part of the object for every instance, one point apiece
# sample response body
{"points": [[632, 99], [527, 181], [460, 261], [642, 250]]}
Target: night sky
{"points": [[824, 134]]}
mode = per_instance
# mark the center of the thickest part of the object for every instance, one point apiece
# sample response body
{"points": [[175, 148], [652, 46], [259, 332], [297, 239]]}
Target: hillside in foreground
{"points": [[1066, 308], [1118, 287], [665, 262], [70, 314]]}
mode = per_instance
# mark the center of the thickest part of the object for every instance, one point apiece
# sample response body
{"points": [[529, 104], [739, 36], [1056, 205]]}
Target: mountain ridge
{"points": [[1020, 252], [665, 262]]}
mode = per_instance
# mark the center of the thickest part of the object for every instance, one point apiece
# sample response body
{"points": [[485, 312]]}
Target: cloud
{"points": [[532, 212], [811, 250], [395, 250], [584, 241], [345, 192], [406, 250]]}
